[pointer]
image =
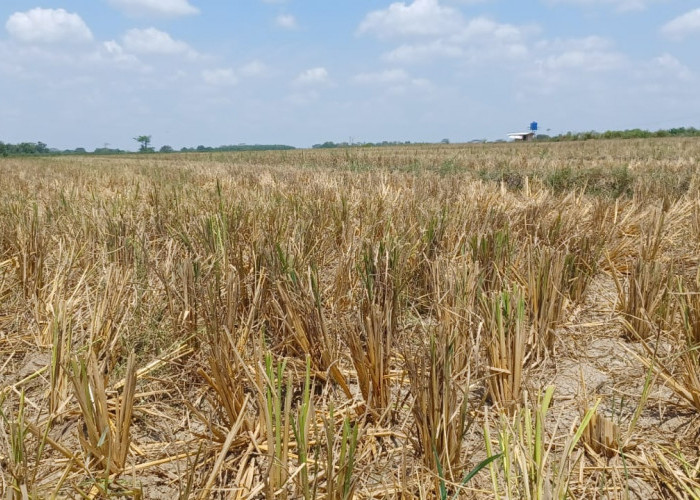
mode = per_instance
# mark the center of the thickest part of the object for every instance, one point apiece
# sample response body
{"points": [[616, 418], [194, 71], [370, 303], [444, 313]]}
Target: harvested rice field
{"points": [[483, 321]]}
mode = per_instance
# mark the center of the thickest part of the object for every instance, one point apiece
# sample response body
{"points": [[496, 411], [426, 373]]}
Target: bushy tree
{"points": [[145, 141]]}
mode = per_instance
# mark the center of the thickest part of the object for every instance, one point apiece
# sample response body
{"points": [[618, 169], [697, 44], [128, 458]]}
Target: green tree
{"points": [[26, 148], [166, 149], [145, 141]]}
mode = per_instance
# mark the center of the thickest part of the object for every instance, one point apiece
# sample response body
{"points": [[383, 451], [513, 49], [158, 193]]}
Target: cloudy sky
{"points": [[189, 72]]}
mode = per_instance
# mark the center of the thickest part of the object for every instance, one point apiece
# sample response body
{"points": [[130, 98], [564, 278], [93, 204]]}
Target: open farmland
{"points": [[360, 323]]}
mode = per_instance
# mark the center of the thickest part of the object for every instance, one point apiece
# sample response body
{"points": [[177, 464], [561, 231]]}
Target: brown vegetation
{"points": [[487, 321]]}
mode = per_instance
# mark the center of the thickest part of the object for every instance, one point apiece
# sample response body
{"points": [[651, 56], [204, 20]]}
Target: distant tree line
{"points": [[568, 136], [40, 148], [23, 148], [634, 133], [237, 147], [331, 144]]}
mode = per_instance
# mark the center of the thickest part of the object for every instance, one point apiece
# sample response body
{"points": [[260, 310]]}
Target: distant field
{"points": [[353, 323]]}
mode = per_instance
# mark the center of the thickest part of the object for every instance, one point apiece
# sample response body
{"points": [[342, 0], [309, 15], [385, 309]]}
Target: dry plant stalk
{"points": [[104, 437], [686, 382], [645, 303], [602, 435], [440, 373], [371, 344], [689, 297], [581, 265], [652, 238], [60, 348], [300, 309], [189, 272], [493, 252], [506, 338], [440, 379], [108, 314], [695, 221], [31, 253], [226, 374], [545, 282], [227, 379]]}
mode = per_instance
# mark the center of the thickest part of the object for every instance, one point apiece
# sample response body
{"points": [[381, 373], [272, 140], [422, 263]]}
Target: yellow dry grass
{"points": [[362, 323]]}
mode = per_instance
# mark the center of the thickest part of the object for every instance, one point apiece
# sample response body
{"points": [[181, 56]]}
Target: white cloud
{"points": [[286, 21], [583, 60], [665, 81], [313, 76], [220, 77], [396, 81], [439, 31], [412, 53], [49, 65], [420, 18], [478, 39], [592, 53], [229, 76], [304, 98], [111, 50], [483, 29], [159, 8], [382, 77], [667, 65], [588, 44], [619, 5], [253, 68], [681, 26], [48, 26], [154, 41], [413, 85], [575, 63]]}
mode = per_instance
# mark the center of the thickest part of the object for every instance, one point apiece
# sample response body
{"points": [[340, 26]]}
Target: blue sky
{"points": [[189, 72]]}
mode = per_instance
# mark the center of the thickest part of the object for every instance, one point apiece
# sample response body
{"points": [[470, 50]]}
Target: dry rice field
{"points": [[487, 321]]}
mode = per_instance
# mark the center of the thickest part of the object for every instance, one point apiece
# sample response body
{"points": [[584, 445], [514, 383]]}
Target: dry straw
{"points": [[339, 324]]}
